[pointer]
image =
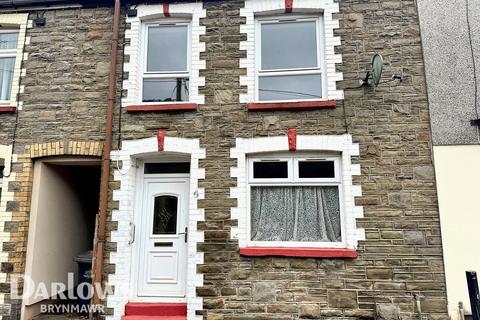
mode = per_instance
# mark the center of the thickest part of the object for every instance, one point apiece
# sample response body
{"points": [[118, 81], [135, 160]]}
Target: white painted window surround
{"points": [[251, 148], [15, 22], [148, 14], [256, 11], [131, 152]]}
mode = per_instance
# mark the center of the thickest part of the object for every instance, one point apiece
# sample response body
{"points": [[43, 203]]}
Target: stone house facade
{"points": [[219, 147]]}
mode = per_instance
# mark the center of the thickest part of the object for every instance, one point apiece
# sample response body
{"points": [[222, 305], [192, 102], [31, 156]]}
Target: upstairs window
{"points": [[289, 59], [166, 67], [8, 53], [295, 201]]}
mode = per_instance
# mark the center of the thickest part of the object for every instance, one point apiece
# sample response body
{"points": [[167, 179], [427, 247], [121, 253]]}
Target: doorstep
{"points": [[155, 311]]}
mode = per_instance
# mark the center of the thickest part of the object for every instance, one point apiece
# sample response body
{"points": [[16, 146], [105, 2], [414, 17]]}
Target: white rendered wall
{"points": [[457, 170], [57, 230]]}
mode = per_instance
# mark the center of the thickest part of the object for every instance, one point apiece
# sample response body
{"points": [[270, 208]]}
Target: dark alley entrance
{"points": [[61, 230]]}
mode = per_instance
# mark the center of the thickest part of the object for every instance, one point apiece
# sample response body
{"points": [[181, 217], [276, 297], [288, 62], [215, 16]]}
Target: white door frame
{"points": [[137, 218]]}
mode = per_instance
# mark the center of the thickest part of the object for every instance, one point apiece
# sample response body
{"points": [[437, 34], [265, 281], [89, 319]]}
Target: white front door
{"points": [[162, 249]]}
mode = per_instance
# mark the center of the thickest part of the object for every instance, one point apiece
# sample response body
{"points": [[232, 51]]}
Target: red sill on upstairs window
{"points": [[7, 109], [299, 252], [272, 106], [162, 107]]}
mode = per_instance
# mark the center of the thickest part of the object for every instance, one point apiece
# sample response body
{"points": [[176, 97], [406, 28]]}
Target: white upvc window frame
{"points": [[294, 180], [9, 53], [144, 74], [320, 69]]}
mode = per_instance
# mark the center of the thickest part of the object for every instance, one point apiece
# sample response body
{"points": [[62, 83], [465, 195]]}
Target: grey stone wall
{"points": [[66, 80], [7, 125], [402, 255], [449, 68], [65, 99]]}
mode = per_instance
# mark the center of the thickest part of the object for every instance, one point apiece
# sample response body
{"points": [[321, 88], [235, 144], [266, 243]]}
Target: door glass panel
{"points": [[165, 215], [171, 167]]}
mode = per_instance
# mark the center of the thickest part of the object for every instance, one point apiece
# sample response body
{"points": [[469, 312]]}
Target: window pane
{"points": [[270, 170], [173, 167], [290, 87], [295, 213], [165, 89], [7, 66], [8, 41], [289, 45], [165, 215], [167, 48], [316, 169]]}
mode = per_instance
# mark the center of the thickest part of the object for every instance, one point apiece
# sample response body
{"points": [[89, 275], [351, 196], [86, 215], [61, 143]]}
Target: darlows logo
{"points": [[75, 308], [40, 291]]}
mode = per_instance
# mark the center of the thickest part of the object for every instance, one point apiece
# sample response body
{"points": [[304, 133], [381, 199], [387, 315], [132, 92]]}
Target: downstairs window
{"points": [[295, 201]]}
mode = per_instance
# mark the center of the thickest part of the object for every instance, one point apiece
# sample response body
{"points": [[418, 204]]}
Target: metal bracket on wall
{"points": [[475, 122], [131, 13], [40, 20]]}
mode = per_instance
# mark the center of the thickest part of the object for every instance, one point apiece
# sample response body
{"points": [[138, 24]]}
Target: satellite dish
{"points": [[377, 69]]}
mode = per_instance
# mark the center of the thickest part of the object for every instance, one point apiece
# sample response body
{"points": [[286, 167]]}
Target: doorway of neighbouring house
{"points": [[64, 206]]}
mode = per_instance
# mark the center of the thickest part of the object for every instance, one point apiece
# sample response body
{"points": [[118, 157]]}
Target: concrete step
{"points": [[156, 310], [154, 317]]}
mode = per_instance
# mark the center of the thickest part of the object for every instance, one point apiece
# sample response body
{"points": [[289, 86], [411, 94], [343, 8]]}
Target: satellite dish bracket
{"points": [[372, 78]]}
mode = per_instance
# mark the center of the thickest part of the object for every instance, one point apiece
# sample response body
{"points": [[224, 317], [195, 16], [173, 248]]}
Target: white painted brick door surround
{"points": [[127, 176]]}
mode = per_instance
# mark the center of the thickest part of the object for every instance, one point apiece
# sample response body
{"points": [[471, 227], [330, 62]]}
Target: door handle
{"points": [[132, 233], [185, 233]]}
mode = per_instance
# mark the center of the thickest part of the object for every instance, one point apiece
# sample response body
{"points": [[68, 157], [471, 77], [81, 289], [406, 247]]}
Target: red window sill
{"points": [[267, 106], [163, 107], [7, 109], [299, 252]]}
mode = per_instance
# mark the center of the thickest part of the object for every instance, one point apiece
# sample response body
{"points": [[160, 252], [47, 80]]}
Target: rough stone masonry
{"points": [[402, 254]]}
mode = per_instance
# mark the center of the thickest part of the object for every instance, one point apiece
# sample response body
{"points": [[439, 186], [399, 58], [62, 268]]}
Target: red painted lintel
{"points": [[299, 252], [272, 106], [163, 107]]}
